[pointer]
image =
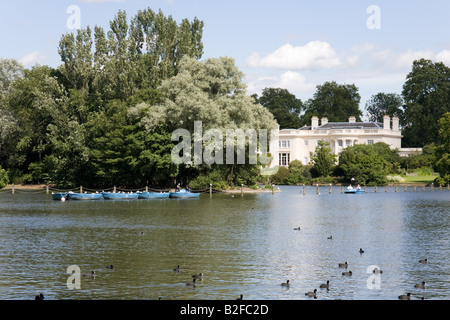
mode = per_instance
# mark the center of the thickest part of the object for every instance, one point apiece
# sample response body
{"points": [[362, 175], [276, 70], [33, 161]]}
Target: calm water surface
{"points": [[243, 245]]}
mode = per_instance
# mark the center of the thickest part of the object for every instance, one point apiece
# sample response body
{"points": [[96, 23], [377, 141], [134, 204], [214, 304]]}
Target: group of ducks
{"points": [[418, 285], [349, 273], [198, 277], [313, 294], [195, 277]]}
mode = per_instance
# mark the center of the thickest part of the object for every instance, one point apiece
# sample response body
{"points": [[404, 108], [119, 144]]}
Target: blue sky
{"points": [[295, 45]]}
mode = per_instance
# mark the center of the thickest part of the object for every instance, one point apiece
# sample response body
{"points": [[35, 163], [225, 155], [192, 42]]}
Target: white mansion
{"points": [[296, 144]]}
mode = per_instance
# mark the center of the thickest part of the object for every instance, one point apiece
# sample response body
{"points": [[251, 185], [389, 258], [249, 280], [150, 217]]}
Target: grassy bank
{"points": [[419, 179]]}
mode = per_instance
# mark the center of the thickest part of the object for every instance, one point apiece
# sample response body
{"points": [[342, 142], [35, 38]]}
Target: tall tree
{"points": [[323, 159], [284, 106], [337, 102], [382, 104], [130, 56], [10, 130], [442, 164], [212, 92], [427, 97]]}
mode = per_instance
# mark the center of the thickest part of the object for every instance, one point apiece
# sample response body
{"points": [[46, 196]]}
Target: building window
{"points": [[306, 142], [340, 143], [305, 160], [284, 144], [348, 143], [369, 141], [283, 159]]}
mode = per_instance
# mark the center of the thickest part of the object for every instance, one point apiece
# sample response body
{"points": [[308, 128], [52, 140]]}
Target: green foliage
{"points": [[383, 104], [3, 178], [214, 177], [335, 101], [284, 106], [323, 159], [364, 164], [281, 176], [442, 154], [295, 174], [426, 93], [36, 173]]}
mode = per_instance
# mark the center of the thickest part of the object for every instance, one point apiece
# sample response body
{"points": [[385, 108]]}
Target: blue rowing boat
{"points": [[154, 195], [84, 196], [59, 195], [183, 194], [120, 195], [353, 191]]}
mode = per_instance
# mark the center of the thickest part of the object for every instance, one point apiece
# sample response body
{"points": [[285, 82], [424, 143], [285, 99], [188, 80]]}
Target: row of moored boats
{"points": [[183, 193]]}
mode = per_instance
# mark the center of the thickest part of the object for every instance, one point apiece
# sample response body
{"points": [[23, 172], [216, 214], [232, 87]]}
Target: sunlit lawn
{"points": [[418, 179]]}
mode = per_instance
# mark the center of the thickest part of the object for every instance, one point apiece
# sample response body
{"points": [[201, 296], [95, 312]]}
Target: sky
{"points": [[295, 45]]}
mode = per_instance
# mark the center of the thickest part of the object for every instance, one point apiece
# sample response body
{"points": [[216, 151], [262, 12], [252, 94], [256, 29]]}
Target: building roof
{"points": [[346, 125]]}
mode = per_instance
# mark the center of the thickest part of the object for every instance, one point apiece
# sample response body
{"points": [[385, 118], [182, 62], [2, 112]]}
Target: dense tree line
{"points": [[105, 115]]}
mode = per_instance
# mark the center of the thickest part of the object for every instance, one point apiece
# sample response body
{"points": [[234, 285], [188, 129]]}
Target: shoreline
{"points": [[237, 189]]}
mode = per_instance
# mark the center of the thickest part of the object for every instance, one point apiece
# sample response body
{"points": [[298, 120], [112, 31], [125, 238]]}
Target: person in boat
{"points": [[177, 189], [349, 187], [188, 189], [358, 187]]}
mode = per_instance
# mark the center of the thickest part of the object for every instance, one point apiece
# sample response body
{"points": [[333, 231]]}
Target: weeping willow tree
{"points": [[212, 93]]}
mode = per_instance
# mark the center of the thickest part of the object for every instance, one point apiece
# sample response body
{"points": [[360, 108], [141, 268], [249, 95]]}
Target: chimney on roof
{"points": [[314, 122], [352, 119], [395, 126], [386, 122], [324, 121]]}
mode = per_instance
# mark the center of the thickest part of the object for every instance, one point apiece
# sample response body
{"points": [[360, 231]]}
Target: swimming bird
{"points": [[297, 228], [343, 265], [191, 283], [361, 250], [177, 268], [330, 237], [423, 260], [405, 296], [377, 270], [241, 297], [110, 267], [91, 274], [39, 297], [285, 284], [198, 276], [420, 285], [347, 273], [141, 233], [311, 293], [325, 285]]}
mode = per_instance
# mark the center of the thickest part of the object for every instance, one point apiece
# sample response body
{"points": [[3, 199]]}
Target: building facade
{"points": [[296, 144]]}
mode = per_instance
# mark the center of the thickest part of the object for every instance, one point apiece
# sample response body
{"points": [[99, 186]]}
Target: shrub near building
{"points": [[3, 178], [364, 164]]}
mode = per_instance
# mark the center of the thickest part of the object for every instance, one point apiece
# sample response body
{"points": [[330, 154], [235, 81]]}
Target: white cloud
{"points": [[313, 55], [34, 57], [443, 56], [369, 66], [290, 80]]}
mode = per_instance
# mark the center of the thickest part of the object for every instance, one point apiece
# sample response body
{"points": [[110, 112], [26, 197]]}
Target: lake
{"points": [[243, 244]]}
